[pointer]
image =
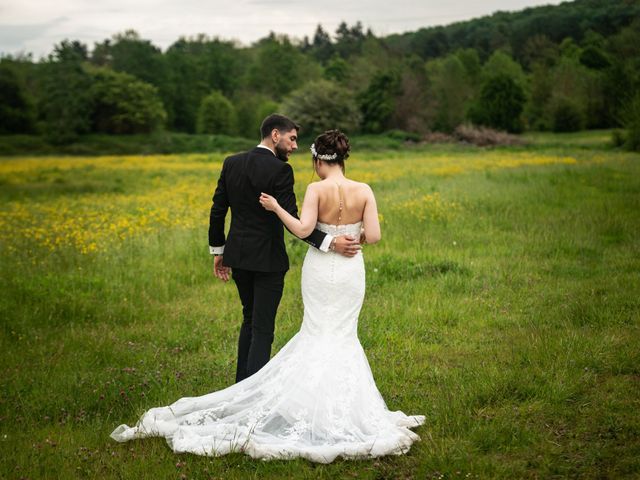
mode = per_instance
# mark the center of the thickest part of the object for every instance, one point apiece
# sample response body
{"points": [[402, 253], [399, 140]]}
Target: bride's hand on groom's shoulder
{"points": [[268, 202]]}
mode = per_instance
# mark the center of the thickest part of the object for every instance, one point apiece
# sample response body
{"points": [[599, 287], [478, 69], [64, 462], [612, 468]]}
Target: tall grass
{"points": [[502, 303]]}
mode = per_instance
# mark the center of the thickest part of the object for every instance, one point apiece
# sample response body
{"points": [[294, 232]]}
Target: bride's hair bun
{"points": [[330, 143]]}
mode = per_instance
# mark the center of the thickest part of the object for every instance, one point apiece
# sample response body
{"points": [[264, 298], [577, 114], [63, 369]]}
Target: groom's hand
{"points": [[219, 270], [347, 245]]}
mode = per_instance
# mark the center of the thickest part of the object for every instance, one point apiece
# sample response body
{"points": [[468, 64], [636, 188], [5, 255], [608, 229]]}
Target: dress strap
{"points": [[340, 204]]}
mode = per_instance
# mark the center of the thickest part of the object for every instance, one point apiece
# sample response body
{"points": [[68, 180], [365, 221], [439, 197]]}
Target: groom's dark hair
{"points": [[275, 120]]}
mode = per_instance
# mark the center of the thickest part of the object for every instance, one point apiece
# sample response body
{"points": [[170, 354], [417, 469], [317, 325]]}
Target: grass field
{"points": [[503, 303]]}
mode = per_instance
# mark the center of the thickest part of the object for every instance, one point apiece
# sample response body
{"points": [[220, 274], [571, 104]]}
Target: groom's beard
{"points": [[281, 153]]}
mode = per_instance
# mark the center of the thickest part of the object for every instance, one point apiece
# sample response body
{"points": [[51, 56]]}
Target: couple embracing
{"points": [[316, 398]]}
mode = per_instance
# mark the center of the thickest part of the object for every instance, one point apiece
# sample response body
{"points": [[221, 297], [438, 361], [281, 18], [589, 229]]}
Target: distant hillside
{"points": [[512, 30]]}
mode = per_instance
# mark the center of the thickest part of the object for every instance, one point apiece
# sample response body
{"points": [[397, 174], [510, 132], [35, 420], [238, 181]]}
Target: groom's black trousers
{"points": [[260, 294]]}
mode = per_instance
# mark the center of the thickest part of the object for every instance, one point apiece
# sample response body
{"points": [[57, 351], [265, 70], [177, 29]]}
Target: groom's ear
{"points": [[275, 135]]}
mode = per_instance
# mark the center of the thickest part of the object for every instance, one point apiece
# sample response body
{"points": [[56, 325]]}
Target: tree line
{"points": [[560, 68]]}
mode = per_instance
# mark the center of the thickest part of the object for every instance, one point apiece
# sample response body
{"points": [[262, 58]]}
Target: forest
{"points": [[561, 68]]}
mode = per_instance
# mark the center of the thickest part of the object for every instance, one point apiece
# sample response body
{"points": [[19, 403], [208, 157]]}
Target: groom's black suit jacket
{"points": [[256, 236]]}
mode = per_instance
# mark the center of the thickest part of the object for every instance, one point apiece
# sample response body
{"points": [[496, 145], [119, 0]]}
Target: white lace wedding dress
{"points": [[316, 398]]}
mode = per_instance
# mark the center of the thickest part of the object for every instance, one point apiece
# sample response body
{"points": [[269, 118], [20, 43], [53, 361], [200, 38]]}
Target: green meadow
{"points": [[503, 303]]}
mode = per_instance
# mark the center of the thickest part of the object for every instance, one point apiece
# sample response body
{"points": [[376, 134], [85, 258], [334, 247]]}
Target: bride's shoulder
{"points": [[361, 187], [320, 185], [316, 186]]}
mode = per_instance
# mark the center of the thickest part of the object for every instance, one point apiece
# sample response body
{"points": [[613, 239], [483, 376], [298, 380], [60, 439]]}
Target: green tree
{"points": [[500, 104], [122, 104], [374, 59], [65, 102], [337, 69], [280, 67], [17, 113], [378, 102], [322, 49], [570, 49], [450, 91], [594, 57], [252, 108], [622, 78], [349, 41], [539, 50], [541, 94], [321, 105], [195, 67], [579, 85], [411, 102], [501, 63], [217, 115], [127, 52], [471, 62], [430, 42]]}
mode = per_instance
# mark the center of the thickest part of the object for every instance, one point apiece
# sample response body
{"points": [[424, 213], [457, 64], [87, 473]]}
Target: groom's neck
{"points": [[268, 143]]}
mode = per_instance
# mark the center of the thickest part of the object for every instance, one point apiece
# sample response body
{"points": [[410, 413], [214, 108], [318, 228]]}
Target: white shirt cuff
{"points": [[325, 243], [216, 250]]}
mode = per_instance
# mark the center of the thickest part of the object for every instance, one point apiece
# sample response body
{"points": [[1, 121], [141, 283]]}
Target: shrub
{"points": [[216, 115], [321, 105], [404, 136], [618, 137], [631, 122], [566, 116], [482, 136], [438, 137]]}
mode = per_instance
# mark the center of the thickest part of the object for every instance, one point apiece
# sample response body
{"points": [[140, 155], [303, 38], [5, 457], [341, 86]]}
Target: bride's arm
{"points": [[370, 218], [300, 228]]}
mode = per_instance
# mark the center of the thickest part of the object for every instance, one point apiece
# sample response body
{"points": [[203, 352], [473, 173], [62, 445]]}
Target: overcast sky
{"points": [[36, 25]]}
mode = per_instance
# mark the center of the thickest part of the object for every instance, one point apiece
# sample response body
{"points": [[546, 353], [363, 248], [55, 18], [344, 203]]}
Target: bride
{"points": [[316, 398]]}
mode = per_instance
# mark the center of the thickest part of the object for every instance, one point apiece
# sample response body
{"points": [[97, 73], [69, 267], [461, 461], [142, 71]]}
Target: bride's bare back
{"points": [[336, 200], [354, 199], [344, 201]]}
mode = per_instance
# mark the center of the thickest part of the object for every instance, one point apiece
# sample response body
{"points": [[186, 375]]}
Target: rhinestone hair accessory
{"points": [[333, 156]]}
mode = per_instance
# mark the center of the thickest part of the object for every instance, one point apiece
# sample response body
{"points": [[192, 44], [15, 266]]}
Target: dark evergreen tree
{"points": [[65, 102], [377, 102], [322, 49], [17, 113], [349, 41], [500, 104]]}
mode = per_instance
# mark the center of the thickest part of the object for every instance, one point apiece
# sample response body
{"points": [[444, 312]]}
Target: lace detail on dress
{"points": [[335, 230], [316, 398]]}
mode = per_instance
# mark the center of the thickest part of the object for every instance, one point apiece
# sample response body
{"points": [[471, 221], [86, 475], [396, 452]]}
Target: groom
{"points": [[254, 251]]}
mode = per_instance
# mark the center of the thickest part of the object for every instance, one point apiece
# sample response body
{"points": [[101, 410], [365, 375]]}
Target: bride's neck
{"points": [[335, 175]]}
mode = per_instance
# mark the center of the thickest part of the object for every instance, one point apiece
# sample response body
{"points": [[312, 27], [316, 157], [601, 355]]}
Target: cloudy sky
{"points": [[36, 25]]}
